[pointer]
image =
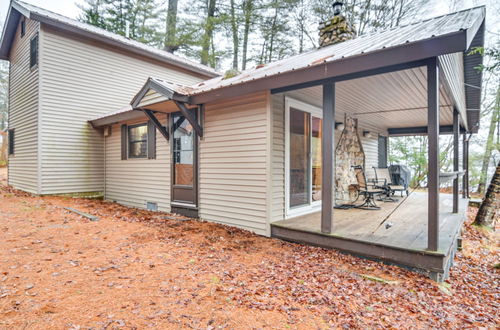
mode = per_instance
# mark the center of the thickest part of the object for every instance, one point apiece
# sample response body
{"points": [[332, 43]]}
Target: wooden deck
{"points": [[397, 233]]}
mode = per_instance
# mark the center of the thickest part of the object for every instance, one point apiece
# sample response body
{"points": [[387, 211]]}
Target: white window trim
{"points": [[318, 113]]}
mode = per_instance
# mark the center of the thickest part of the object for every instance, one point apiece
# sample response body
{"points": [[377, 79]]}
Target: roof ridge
{"points": [[110, 34]]}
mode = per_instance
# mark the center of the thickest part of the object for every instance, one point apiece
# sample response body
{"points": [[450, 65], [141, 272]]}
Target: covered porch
{"points": [[428, 96]]}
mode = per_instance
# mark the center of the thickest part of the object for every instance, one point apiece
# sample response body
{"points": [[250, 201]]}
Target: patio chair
{"points": [[384, 179], [366, 190]]}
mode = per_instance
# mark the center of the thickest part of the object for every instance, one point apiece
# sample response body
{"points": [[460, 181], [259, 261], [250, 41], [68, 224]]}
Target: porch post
{"points": [[455, 158], [328, 158], [433, 153], [466, 166]]}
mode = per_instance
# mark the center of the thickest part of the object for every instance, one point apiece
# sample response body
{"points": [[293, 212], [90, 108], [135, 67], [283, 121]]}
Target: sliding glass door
{"points": [[300, 144], [303, 153]]}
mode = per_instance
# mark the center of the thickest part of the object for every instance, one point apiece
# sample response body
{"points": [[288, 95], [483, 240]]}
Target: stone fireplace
{"points": [[348, 153], [335, 30]]}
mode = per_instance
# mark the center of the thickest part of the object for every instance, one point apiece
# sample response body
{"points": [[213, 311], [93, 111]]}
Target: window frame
{"points": [[23, 27], [130, 141], [312, 111], [33, 66]]}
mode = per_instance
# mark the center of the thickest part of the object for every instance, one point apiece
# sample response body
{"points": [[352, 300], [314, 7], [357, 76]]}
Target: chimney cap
{"points": [[337, 7]]}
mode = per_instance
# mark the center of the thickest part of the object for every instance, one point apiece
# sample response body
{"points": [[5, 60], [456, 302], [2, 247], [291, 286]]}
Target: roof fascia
{"points": [[472, 31], [151, 84], [421, 130], [22, 10], [116, 118], [8, 32]]}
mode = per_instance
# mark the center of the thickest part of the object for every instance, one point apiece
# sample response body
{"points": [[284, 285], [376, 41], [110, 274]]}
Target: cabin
{"points": [[291, 149]]}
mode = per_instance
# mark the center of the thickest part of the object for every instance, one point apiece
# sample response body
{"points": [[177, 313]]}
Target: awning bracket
{"points": [[163, 130], [192, 120]]}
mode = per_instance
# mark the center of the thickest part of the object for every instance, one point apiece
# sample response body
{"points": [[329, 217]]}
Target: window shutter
{"points": [[382, 151], [151, 140], [10, 137], [124, 141], [34, 51]]}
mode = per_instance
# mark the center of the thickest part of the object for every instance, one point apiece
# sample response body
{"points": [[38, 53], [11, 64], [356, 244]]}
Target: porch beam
{"points": [[433, 154], [163, 130], [420, 130], [328, 158], [350, 76], [456, 118], [192, 120]]}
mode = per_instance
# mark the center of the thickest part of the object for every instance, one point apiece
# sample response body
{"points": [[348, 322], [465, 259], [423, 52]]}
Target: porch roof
{"points": [[157, 94]]}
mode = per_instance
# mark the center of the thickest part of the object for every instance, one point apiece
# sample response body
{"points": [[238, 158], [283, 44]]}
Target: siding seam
{"points": [[39, 124]]}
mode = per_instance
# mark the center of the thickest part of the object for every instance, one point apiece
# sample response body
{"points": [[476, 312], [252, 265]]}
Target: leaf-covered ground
{"points": [[136, 269]]}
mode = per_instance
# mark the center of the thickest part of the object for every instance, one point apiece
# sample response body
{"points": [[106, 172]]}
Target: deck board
{"points": [[408, 220]]}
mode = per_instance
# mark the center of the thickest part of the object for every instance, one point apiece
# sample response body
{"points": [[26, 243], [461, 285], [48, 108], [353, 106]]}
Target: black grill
{"points": [[400, 175]]}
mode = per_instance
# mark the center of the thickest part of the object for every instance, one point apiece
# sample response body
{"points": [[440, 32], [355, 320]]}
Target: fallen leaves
{"points": [[140, 269]]}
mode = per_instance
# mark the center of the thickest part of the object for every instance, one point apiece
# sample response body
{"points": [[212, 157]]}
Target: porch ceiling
{"points": [[391, 100]]}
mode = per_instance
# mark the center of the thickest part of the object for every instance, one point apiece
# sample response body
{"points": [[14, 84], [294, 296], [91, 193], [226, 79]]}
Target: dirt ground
{"points": [[136, 269]]}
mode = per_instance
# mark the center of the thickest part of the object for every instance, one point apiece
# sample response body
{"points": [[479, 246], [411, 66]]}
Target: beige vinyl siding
{"points": [[23, 112], [233, 163], [82, 80], [370, 147], [133, 182]]}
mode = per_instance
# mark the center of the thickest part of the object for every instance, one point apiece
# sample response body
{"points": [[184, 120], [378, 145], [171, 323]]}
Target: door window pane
{"points": [[183, 151], [299, 157], [317, 134]]}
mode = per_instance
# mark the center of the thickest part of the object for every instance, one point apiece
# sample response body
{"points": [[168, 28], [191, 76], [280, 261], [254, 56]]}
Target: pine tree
{"points": [[93, 13], [171, 43]]}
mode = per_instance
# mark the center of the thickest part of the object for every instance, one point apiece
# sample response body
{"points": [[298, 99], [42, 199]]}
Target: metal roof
{"points": [[464, 20], [18, 8]]}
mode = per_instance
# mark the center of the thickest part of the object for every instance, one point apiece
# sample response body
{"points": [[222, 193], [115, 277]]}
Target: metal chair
{"points": [[384, 179], [366, 190]]}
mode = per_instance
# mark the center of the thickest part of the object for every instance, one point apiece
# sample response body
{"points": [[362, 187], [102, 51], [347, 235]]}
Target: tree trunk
{"points": [[170, 38], [236, 41], [489, 209], [248, 12], [489, 143], [209, 30], [273, 33]]}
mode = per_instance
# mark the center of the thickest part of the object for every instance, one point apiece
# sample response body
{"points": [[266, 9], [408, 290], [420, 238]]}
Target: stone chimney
{"points": [[336, 29]]}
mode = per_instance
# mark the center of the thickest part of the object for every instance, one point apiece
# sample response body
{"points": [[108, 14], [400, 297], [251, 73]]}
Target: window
{"points": [[138, 141], [183, 150], [34, 51], [10, 137], [23, 28]]}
